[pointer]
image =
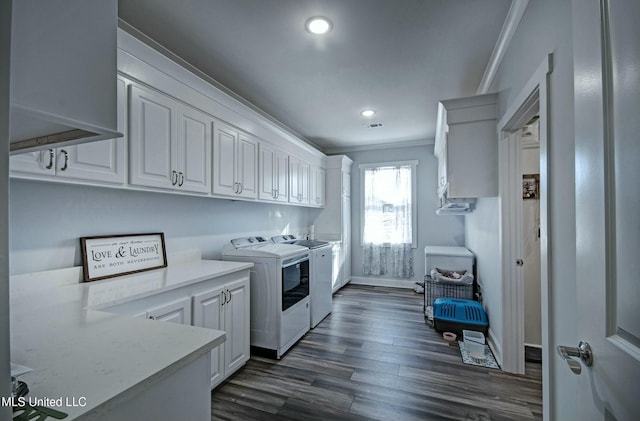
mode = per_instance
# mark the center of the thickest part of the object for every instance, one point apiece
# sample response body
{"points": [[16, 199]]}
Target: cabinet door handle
{"points": [[152, 317], [174, 177], [223, 297], [230, 296], [241, 188], [66, 160], [51, 156], [181, 178]]}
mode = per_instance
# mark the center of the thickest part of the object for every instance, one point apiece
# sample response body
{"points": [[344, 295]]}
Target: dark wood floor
{"points": [[375, 358]]}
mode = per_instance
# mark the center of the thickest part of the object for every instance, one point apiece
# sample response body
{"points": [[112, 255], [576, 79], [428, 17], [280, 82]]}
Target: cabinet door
{"points": [[151, 138], [247, 166], [194, 150], [208, 313], [281, 175], [39, 162], [101, 161], [175, 312], [236, 320], [273, 174], [268, 181], [317, 183], [224, 159], [298, 180]]}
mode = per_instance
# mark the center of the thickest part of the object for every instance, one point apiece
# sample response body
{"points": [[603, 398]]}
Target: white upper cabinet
{"points": [[235, 162], [299, 173], [274, 174], [100, 162], [467, 147], [170, 143], [317, 186], [63, 64]]}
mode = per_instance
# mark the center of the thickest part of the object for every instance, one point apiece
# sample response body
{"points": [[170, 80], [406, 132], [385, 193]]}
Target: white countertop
{"points": [[77, 352]]}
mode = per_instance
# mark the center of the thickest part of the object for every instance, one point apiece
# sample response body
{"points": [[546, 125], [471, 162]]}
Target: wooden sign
{"points": [[115, 255]]}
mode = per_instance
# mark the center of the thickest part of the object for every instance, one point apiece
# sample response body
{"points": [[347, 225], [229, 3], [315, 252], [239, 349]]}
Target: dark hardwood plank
{"points": [[375, 358]]}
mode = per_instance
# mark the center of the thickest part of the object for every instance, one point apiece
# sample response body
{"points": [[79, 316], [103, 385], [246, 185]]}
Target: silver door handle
{"points": [[51, 155], [519, 262], [583, 351], [66, 160]]}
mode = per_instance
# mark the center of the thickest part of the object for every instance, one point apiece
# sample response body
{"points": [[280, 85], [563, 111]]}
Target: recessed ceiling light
{"points": [[318, 25], [367, 113]]}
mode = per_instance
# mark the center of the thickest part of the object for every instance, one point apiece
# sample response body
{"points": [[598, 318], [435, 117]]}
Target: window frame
{"points": [[414, 195]]}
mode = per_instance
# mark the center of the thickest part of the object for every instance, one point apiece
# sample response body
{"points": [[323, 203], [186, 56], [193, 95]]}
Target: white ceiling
{"points": [[399, 57]]}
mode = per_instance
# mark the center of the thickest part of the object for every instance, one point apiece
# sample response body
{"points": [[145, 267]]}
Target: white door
{"points": [[224, 159], [175, 312], [194, 150], [281, 176], [236, 314], [247, 166], [267, 172], [607, 206], [208, 313], [151, 138]]}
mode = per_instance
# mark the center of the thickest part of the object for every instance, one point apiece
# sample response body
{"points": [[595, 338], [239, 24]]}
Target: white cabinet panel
{"points": [[274, 174], [194, 150], [299, 172], [208, 312], [170, 143], [317, 186], [225, 308], [235, 157], [152, 132], [102, 161], [175, 312]]}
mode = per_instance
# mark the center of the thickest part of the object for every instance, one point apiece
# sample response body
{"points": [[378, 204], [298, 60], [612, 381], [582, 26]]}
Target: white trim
{"points": [[511, 22], [413, 163], [383, 282], [379, 146], [536, 89], [495, 347]]}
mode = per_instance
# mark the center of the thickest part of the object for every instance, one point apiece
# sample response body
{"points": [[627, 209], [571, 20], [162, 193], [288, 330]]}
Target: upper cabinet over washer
{"points": [[63, 63], [235, 162]]}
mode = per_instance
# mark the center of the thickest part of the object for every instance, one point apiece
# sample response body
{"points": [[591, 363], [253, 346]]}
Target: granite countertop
{"points": [[94, 359]]}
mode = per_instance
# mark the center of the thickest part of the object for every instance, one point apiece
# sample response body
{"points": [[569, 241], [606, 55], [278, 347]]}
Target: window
{"points": [[388, 203], [388, 218]]}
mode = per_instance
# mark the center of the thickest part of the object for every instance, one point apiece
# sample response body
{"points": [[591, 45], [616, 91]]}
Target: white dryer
{"points": [[280, 312]]}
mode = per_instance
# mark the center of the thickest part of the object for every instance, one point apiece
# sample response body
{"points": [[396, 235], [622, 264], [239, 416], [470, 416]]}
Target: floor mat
{"points": [[489, 360]]}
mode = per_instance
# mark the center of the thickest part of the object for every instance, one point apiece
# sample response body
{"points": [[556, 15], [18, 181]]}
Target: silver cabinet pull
{"points": [[66, 160], [51, 156], [241, 188], [519, 262], [583, 351], [174, 177], [181, 179], [223, 297]]}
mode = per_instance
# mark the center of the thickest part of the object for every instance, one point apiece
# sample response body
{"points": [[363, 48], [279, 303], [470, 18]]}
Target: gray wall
{"points": [[432, 229], [545, 28], [46, 220]]}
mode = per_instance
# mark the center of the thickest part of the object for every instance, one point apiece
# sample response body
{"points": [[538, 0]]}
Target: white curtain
{"points": [[387, 222]]}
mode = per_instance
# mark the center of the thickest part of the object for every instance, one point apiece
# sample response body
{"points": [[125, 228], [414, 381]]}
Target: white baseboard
{"points": [[383, 282], [495, 347]]}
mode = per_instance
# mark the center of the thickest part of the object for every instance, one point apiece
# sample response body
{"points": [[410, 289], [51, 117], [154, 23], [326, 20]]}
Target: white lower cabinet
{"points": [[220, 303], [225, 308], [178, 311]]}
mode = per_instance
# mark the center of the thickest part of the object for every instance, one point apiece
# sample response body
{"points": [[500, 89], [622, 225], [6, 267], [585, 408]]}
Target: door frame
{"points": [[536, 92]]}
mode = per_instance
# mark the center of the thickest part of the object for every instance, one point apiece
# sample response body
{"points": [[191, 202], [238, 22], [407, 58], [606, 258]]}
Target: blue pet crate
{"points": [[455, 315]]}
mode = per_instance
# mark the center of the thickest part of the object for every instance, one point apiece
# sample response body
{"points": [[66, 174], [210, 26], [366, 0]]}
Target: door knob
{"points": [[519, 262], [583, 351]]}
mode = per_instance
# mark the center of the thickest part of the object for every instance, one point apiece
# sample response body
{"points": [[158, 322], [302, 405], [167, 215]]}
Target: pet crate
{"points": [[455, 315]]}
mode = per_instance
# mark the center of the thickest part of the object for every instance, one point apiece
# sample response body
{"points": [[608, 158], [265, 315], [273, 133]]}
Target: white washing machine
{"points": [[280, 309]]}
